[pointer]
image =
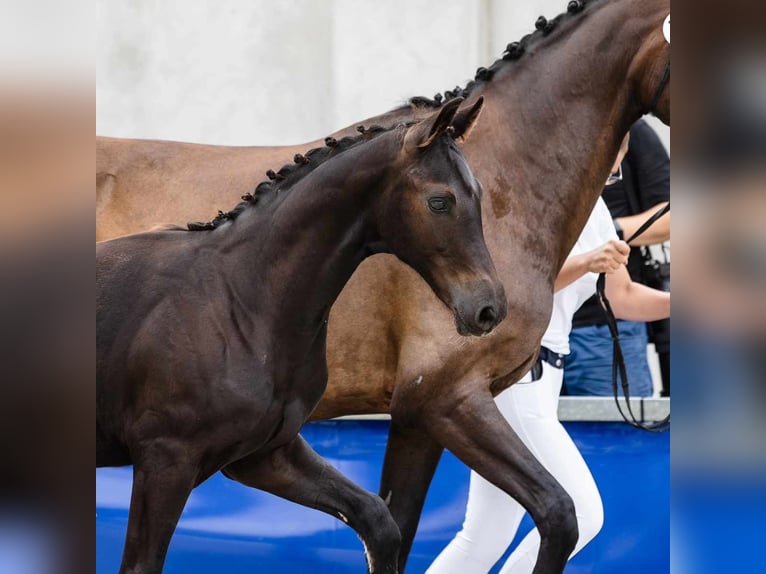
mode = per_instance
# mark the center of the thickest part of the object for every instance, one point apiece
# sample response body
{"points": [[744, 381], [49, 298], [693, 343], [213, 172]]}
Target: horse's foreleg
{"points": [[409, 466], [163, 478], [476, 432], [297, 473]]}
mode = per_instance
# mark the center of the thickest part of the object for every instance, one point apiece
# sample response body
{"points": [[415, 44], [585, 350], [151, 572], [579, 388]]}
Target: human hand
{"points": [[608, 258]]}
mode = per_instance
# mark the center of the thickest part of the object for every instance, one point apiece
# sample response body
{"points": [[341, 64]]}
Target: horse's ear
{"points": [[465, 120], [425, 132]]}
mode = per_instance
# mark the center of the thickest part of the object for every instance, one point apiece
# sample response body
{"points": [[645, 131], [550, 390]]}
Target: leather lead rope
{"points": [[661, 87], [618, 359]]}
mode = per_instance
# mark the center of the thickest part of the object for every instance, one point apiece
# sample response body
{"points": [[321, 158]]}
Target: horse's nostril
{"points": [[486, 316]]}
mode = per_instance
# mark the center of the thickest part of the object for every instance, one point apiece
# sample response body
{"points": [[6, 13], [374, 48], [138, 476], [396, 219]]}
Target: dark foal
{"points": [[211, 343], [558, 104]]}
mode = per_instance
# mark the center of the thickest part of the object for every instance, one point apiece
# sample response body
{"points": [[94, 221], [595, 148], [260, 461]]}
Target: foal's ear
{"points": [[465, 119], [423, 134]]}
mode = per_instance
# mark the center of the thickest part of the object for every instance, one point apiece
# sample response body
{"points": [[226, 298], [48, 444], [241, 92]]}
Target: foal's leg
{"points": [[295, 472], [409, 465], [163, 478], [478, 434]]}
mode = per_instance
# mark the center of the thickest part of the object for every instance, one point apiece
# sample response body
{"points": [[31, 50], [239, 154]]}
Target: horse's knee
{"points": [[379, 533], [376, 514]]}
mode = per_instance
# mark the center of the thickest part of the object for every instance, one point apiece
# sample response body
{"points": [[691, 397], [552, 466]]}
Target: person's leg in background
{"points": [[588, 367]]}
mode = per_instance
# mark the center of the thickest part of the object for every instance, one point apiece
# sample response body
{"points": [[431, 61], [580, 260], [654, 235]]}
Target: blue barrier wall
{"points": [[227, 527]]}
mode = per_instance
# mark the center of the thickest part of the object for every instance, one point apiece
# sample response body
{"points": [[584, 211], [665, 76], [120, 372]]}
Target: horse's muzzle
{"points": [[479, 314]]}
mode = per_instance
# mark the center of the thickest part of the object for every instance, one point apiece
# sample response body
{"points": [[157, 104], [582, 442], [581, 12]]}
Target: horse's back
{"points": [[144, 183]]}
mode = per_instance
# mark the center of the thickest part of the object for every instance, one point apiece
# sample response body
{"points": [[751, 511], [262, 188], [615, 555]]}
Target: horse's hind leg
{"points": [[162, 481], [295, 472], [475, 431], [409, 465]]}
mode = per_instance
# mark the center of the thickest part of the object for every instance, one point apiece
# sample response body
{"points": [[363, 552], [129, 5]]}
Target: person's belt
{"points": [[553, 359]]}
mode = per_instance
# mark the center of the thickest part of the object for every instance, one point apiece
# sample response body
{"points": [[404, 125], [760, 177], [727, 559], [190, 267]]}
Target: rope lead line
{"points": [[618, 359]]}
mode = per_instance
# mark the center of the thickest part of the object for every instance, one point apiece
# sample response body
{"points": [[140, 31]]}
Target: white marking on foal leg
{"points": [[367, 557], [370, 565]]}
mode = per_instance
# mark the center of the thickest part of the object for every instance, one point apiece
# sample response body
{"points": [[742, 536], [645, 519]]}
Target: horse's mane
{"points": [[513, 51], [292, 173]]}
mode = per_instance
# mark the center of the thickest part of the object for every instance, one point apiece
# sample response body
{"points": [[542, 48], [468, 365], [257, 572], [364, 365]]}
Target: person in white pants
{"points": [[492, 517]]}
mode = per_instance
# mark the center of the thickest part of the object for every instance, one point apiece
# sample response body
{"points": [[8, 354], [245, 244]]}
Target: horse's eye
{"points": [[438, 204]]}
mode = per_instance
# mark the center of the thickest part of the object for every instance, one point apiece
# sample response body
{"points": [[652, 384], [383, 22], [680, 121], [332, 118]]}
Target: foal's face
{"points": [[433, 222]]}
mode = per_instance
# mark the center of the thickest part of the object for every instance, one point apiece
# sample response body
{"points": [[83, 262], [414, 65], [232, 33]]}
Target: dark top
{"points": [[645, 172]]}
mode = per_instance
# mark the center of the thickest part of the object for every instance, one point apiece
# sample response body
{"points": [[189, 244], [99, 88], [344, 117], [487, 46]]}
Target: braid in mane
{"points": [[289, 174], [513, 51]]}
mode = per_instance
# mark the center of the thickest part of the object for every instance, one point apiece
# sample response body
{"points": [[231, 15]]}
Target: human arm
{"points": [[607, 258], [632, 301], [650, 185], [657, 233]]}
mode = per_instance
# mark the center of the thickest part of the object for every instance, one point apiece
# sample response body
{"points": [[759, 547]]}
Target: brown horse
{"points": [[558, 105], [212, 344]]}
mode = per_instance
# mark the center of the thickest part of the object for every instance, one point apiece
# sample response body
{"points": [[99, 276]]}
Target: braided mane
{"points": [[513, 51], [289, 174]]}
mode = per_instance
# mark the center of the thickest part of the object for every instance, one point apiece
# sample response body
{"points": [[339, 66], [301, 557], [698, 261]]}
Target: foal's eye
{"points": [[439, 204]]}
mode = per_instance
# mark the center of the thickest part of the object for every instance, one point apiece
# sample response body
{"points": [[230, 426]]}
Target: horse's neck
{"points": [[309, 239], [556, 122]]}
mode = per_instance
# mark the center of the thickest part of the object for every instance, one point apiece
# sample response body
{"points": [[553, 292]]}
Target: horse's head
{"points": [[652, 61], [430, 217]]}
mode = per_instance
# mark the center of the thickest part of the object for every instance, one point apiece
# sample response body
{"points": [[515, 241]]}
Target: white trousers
{"points": [[492, 517]]}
